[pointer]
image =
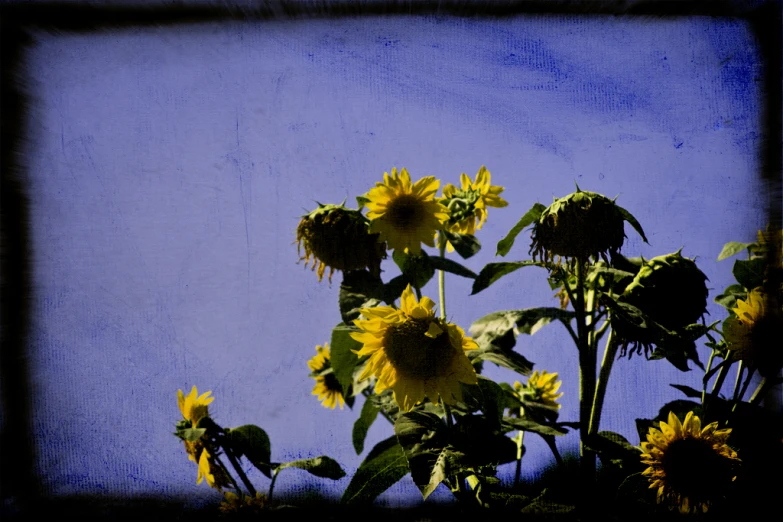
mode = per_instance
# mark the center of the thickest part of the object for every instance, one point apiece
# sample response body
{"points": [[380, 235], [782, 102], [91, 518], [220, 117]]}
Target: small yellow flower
{"points": [[468, 205], [689, 466], [541, 387], [194, 406], [414, 353], [405, 214], [327, 388], [208, 469]]}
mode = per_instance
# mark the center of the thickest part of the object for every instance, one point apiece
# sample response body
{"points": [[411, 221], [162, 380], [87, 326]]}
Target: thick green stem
{"points": [[272, 484], [738, 380], [228, 475], [242, 476], [519, 439], [442, 278], [704, 386], [587, 363], [760, 391], [610, 353]]}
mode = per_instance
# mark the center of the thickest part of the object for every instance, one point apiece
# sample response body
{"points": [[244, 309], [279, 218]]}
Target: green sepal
{"points": [[191, 434], [633, 222]]}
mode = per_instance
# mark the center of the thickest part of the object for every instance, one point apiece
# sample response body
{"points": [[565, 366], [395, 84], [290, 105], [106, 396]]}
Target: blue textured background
{"points": [[170, 166]]}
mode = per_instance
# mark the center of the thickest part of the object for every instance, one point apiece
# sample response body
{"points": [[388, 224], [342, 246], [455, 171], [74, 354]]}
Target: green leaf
{"points": [[383, 467], [612, 446], [343, 360], [418, 270], [643, 428], [447, 265], [687, 390], [680, 409], [728, 299], [732, 248], [394, 288], [494, 271], [528, 424], [252, 442], [505, 244], [488, 397], [422, 436], [466, 245], [359, 289], [362, 425], [322, 466], [634, 223], [506, 359], [750, 274], [527, 321]]}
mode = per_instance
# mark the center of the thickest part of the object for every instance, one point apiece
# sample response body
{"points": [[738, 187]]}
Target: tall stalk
{"points": [[587, 363]]}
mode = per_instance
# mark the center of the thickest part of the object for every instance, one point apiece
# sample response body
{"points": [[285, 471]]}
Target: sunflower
{"points": [[753, 336], [468, 205], [234, 504], [338, 238], [194, 406], [405, 214], [413, 352], [327, 388], [690, 466], [542, 388]]}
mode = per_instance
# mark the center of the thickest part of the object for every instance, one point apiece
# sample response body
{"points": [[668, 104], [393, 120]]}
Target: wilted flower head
{"points": [[669, 289], [338, 238]]}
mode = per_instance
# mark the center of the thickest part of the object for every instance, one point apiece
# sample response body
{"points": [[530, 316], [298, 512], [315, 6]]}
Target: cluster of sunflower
{"points": [[453, 426], [206, 443]]}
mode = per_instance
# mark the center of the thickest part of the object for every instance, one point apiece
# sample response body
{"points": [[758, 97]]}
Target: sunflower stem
{"points": [[442, 278], [587, 363], [232, 459], [761, 390], [744, 388], [704, 385], [603, 379], [738, 380], [225, 470], [272, 484], [519, 439], [455, 479]]}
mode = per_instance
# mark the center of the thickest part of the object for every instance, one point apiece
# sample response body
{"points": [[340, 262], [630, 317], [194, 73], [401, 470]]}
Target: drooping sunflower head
{"points": [[405, 214], [690, 466], [578, 226], [754, 334], [467, 206], [542, 388], [327, 387], [194, 406], [414, 353], [338, 238]]}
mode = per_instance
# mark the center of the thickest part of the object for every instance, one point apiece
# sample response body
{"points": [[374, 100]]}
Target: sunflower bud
{"points": [[578, 226], [337, 237]]}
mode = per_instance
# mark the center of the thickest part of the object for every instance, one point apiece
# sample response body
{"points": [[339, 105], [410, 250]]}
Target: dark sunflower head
{"points": [[338, 238], [581, 225], [671, 292]]}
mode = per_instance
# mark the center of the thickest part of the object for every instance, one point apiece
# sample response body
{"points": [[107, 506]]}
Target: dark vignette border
{"points": [[21, 490]]}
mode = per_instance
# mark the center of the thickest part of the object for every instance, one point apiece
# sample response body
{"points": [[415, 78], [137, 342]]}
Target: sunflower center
{"points": [[331, 383], [694, 469], [405, 212], [415, 355]]}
